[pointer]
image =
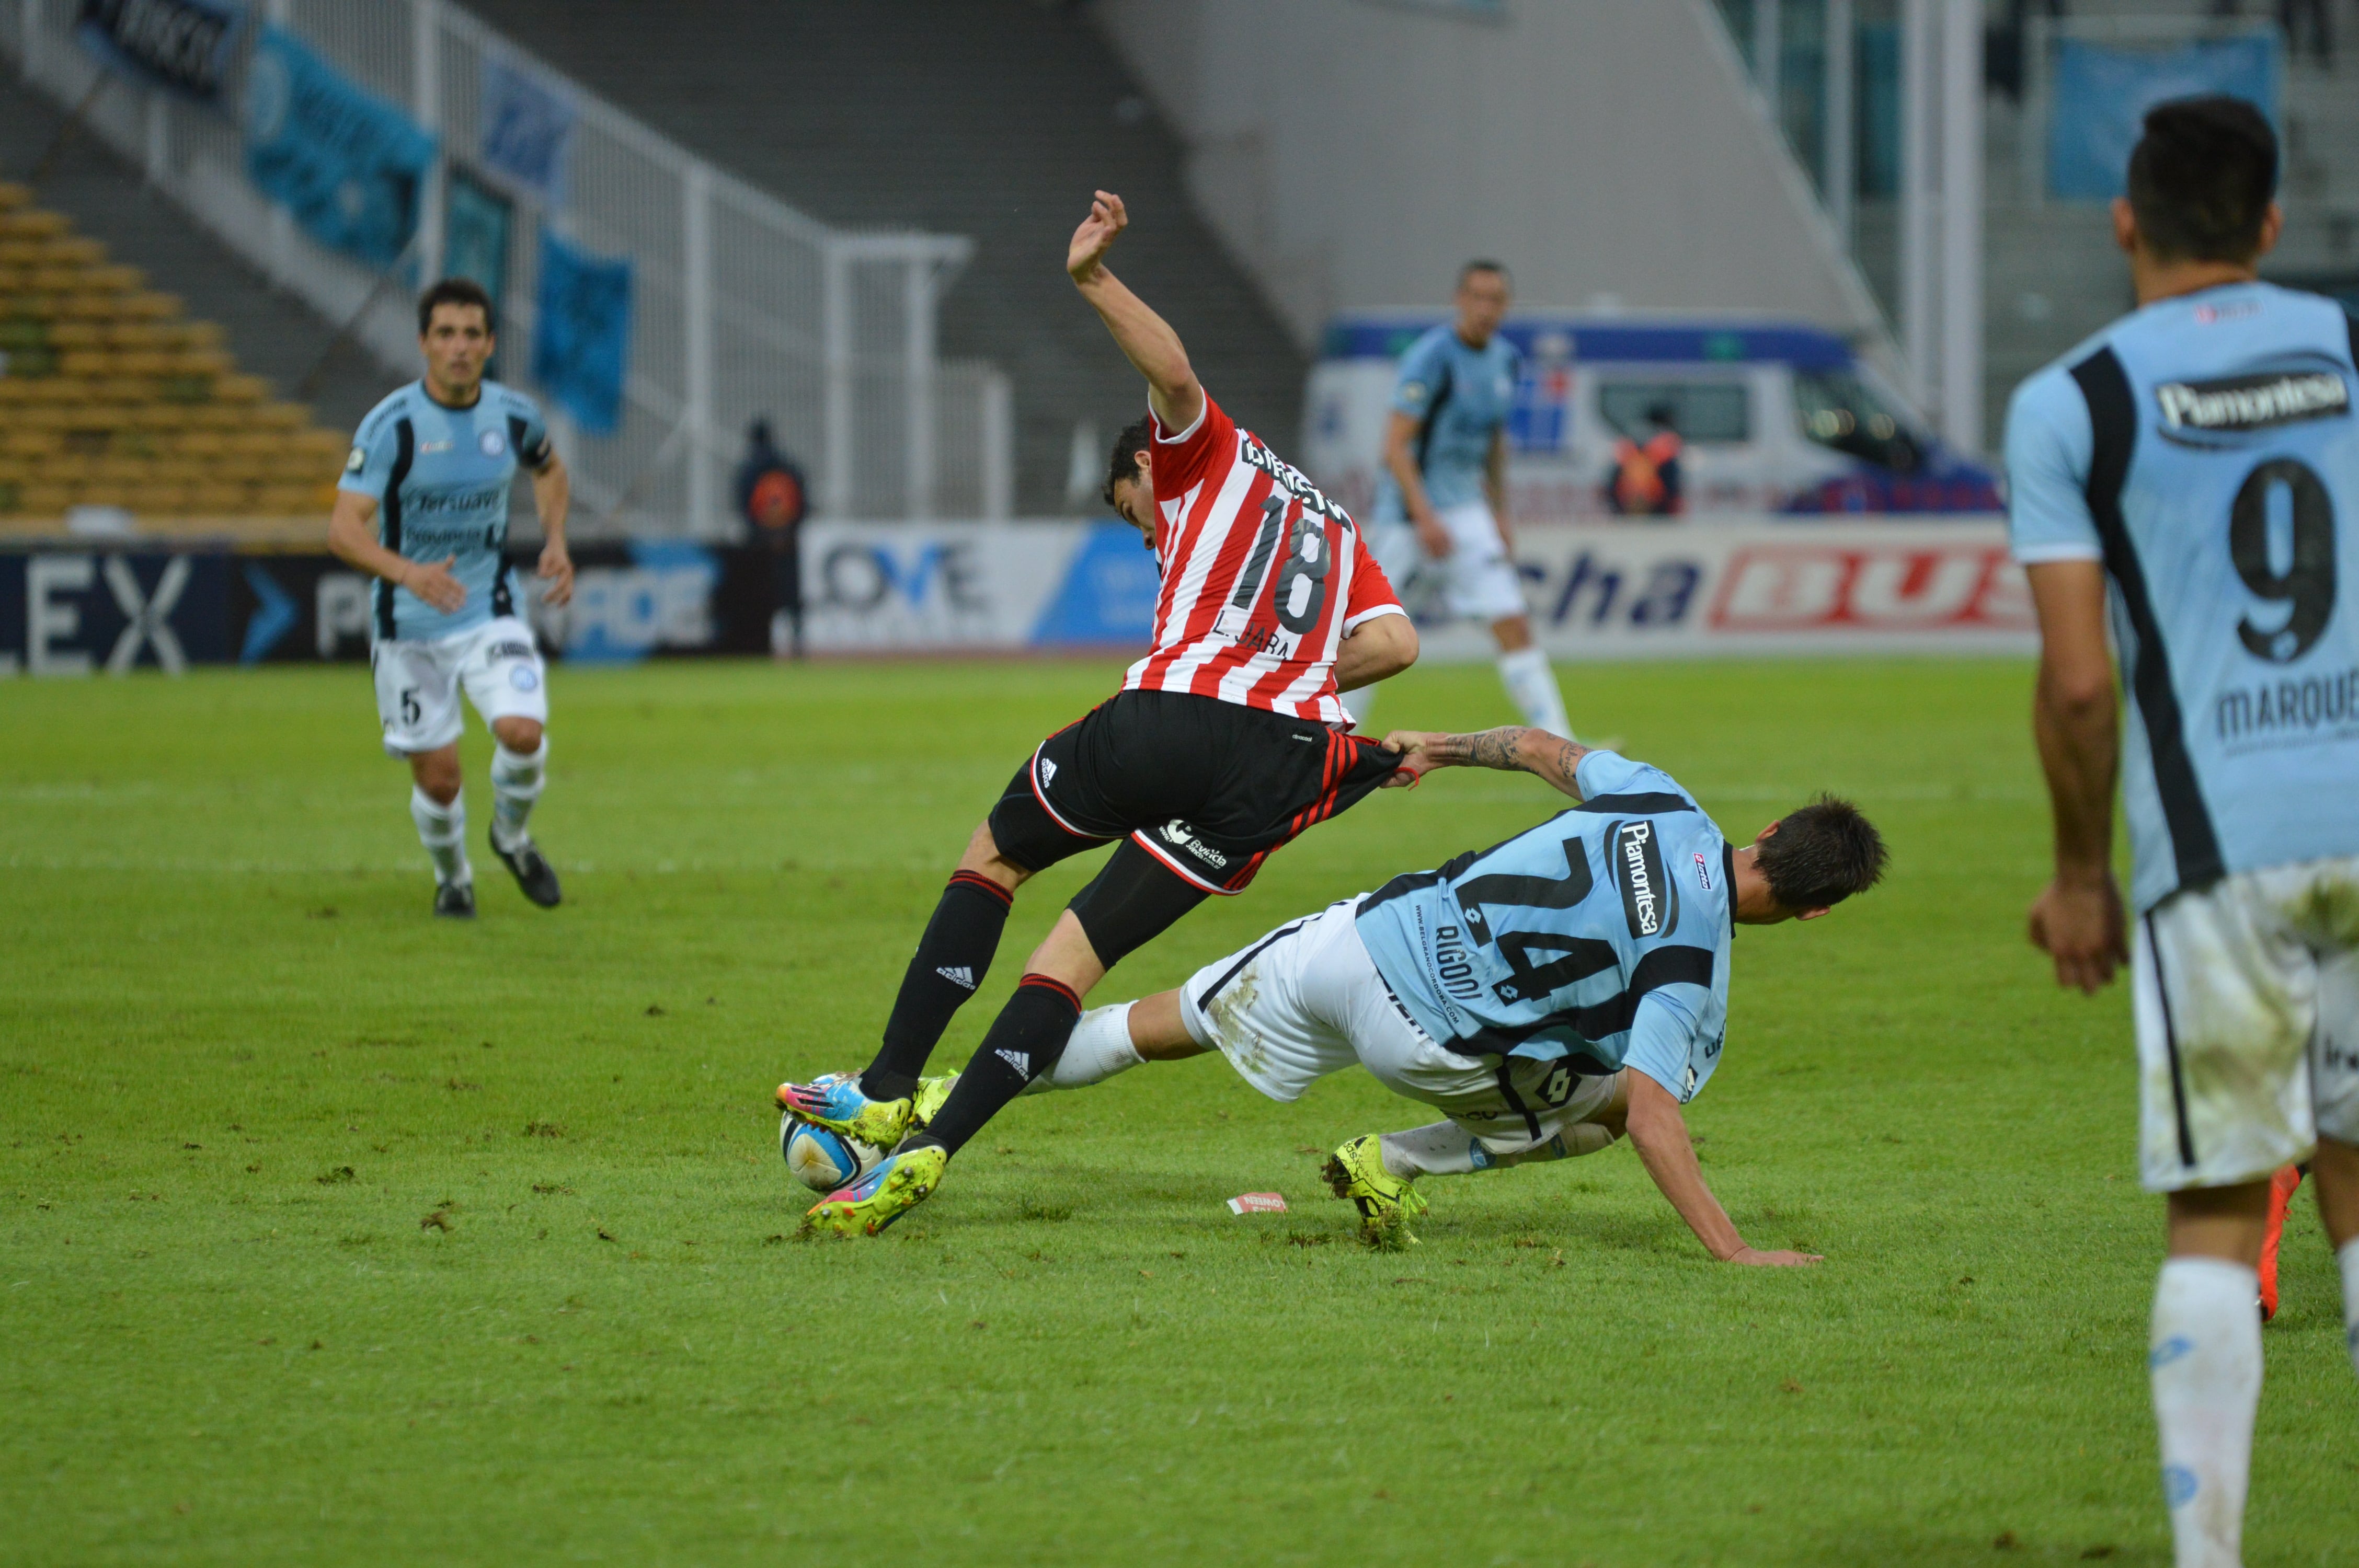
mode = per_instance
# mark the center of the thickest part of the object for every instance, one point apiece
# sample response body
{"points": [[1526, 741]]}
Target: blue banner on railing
{"points": [[528, 130], [347, 164], [581, 332], [2103, 93], [183, 45]]}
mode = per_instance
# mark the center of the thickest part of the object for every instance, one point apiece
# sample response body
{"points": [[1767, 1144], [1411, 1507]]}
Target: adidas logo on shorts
{"points": [[1019, 1060], [961, 975], [1047, 773]]}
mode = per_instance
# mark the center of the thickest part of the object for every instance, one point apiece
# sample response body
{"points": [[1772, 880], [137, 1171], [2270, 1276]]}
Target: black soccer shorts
{"points": [[1202, 791]]}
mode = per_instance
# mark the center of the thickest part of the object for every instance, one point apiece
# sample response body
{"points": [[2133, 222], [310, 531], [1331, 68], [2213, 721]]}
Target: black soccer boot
{"points": [[455, 901], [532, 871]]}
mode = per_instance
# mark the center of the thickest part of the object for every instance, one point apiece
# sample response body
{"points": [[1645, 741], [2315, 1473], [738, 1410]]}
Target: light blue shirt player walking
{"points": [[1458, 395], [423, 507], [1545, 994], [2221, 504], [2191, 475], [1441, 519]]}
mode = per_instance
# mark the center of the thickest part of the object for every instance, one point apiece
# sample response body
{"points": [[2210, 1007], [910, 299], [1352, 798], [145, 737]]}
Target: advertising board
{"points": [[1594, 592], [69, 611], [897, 589]]}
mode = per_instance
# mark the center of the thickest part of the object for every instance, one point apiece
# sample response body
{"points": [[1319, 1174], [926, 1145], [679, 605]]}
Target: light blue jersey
{"points": [[440, 478], [1459, 397], [2205, 448], [1602, 936]]}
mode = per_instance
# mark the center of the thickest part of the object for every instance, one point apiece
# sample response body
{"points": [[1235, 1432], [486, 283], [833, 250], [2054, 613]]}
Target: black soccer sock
{"points": [[952, 956], [1025, 1042]]}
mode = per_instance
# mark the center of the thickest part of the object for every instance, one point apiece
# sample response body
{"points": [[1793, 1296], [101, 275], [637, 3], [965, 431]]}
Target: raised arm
{"points": [[1659, 1133], [1145, 339], [1511, 749]]}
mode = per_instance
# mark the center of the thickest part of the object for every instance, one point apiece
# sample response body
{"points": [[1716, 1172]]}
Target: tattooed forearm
{"points": [[1490, 749]]}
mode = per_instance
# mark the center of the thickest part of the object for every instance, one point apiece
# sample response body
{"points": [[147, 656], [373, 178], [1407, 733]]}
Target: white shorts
{"points": [[2246, 996], [418, 683], [1307, 1001], [1476, 581]]}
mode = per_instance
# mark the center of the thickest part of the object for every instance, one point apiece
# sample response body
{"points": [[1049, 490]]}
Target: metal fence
{"points": [[743, 307]]}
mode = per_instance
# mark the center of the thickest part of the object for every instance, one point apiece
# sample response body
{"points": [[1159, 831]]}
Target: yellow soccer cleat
{"points": [[893, 1187], [928, 1102], [1385, 1202]]}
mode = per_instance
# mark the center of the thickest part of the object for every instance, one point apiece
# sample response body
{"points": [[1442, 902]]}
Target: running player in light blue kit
{"points": [[2192, 472], [1545, 994], [1442, 498], [423, 506]]}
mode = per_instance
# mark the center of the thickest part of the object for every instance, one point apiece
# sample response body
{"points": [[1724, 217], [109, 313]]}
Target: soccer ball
{"points": [[824, 1161]]}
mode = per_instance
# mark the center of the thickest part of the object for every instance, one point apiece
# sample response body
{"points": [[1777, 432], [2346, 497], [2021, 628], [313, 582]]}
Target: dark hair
{"points": [[454, 291], [1479, 265], [2201, 178], [1821, 855], [1134, 439]]}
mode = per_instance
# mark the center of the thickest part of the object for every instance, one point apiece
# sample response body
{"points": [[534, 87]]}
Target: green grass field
{"points": [[331, 1233]]}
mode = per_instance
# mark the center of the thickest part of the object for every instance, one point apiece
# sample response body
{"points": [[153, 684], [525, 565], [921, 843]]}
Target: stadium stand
{"points": [[113, 397], [1027, 111]]}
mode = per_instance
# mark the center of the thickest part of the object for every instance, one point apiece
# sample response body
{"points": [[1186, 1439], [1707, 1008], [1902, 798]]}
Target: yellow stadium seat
{"points": [[118, 399], [32, 223]]}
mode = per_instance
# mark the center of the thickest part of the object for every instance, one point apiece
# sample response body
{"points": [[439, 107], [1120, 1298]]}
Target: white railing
{"points": [[742, 308]]}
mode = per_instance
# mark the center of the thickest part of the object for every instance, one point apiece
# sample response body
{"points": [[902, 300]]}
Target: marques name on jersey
{"points": [[2289, 709]]}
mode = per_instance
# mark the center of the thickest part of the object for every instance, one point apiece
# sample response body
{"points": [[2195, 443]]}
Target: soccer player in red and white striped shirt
{"points": [[1223, 742]]}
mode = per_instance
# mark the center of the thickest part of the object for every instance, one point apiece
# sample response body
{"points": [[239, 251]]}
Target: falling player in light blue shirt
{"points": [[2191, 475], [423, 506], [1442, 497], [1546, 994]]}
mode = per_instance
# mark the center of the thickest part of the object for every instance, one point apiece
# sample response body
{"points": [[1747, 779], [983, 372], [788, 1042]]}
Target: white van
{"points": [[1774, 416]]}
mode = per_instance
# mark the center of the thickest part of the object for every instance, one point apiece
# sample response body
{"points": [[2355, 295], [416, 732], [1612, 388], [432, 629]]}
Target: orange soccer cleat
{"points": [[2282, 1190]]}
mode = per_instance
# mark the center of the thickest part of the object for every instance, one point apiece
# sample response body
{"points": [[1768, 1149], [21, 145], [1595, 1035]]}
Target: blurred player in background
{"points": [[1546, 994], [2194, 470], [1224, 743], [1441, 499], [423, 506]]}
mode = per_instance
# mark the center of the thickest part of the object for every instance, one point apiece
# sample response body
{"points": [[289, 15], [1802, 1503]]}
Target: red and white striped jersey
{"points": [[1262, 576]]}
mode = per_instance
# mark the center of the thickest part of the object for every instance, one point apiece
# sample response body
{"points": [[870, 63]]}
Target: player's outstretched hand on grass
{"points": [[556, 570], [1096, 235], [2079, 924], [432, 582], [1752, 1257]]}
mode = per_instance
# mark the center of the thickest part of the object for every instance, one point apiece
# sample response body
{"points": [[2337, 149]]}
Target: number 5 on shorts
{"points": [[410, 711]]}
